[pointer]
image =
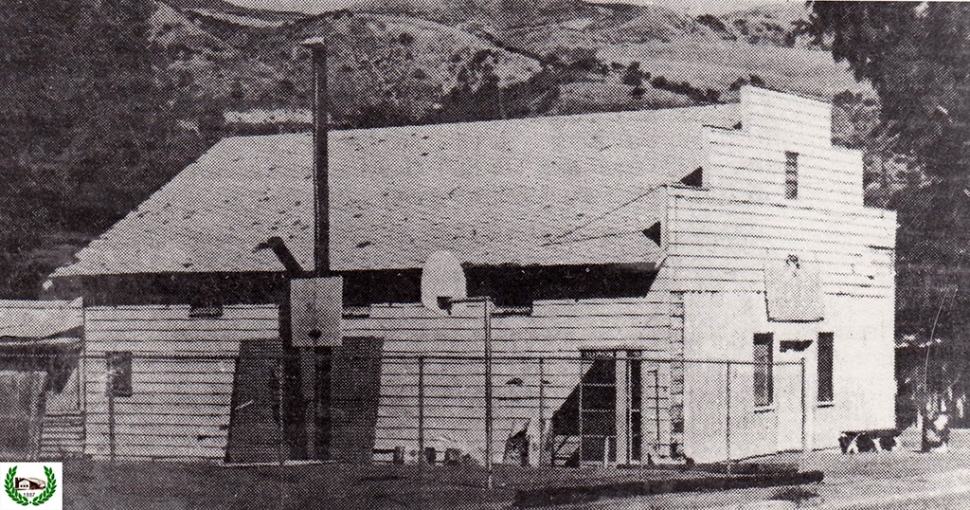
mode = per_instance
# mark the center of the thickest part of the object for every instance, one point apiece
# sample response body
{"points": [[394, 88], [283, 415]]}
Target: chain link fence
{"points": [[610, 407]]}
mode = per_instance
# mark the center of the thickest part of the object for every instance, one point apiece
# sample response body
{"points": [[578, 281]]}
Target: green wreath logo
{"points": [[38, 500]]}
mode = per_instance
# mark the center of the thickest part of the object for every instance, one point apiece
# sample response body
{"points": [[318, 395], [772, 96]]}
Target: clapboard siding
{"points": [[786, 117], [62, 436], [182, 377], [724, 244], [454, 389], [741, 163], [752, 159]]}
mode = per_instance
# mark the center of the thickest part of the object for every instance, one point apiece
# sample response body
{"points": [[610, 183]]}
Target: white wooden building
{"points": [[656, 239]]}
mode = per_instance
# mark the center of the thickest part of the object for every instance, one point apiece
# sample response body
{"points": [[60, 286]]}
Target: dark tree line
{"points": [[87, 129]]}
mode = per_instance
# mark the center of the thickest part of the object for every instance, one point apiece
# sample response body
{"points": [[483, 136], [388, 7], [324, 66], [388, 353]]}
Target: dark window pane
{"points": [[825, 362], [763, 382], [791, 175], [599, 423], [119, 374], [599, 397], [636, 386], [601, 371], [593, 448]]}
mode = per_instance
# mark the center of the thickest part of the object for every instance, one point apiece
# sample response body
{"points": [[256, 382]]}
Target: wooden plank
{"points": [[203, 327], [124, 416], [779, 223], [784, 101], [177, 367], [586, 335], [127, 432], [225, 337], [175, 388], [830, 253], [648, 317], [770, 213], [816, 120], [155, 452], [169, 399], [727, 166], [149, 312], [161, 409], [760, 146]]}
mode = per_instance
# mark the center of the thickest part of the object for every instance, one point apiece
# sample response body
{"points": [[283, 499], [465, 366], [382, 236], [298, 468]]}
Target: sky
{"points": [[693, 7]]}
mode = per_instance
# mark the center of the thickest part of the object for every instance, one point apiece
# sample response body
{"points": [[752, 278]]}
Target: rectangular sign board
{"points": [[793, 290]]}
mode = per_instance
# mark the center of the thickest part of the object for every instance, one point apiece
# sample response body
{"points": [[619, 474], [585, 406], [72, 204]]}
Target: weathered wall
{"points": [[454, 405], [723, 236], [722, 326], [178, 409]]}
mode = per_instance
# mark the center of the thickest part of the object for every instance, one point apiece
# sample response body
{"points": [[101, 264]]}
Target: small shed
{"points": [[40, 381]]}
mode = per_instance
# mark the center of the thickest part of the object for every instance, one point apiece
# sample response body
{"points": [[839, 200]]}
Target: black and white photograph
{"points": [[484, 254]]}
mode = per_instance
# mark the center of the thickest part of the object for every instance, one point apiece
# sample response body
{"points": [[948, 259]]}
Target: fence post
{"points": [[542, 409], [279, 401], [111, 419], [487, 305], [421, 453], [727, 418], [656, 403], [804, 409], [579, 415]]}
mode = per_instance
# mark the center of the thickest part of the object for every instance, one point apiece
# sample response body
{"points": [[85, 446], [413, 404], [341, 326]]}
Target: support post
{"points": [[579, 414], [279, 402], [542, 409], [656, 402], [321, 179], [421, 454], [621, 409], [308, 371], [111, 419], [727, 417], [487, 312], [805, 445]]}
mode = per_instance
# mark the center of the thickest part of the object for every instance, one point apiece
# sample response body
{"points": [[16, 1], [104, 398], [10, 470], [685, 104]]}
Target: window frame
{"points": [[119, 372], [764, 396], [825, 373], [791, 175]]}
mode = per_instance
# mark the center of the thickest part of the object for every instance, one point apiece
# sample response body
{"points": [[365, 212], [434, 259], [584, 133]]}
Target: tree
{"points": [[917, 57], [86, 128]]}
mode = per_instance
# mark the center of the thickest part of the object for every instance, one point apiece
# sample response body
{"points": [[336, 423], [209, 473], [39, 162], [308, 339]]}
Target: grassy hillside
{"points": [[718, 64]]}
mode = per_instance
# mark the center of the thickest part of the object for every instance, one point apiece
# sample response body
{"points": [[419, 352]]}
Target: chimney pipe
{"points": [[321, 169]]}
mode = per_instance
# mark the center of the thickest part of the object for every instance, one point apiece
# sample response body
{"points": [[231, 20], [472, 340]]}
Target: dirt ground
{"points": [[144, 486], [888, 479]]}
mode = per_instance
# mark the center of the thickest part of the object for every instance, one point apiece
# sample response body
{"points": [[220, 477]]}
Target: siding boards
{"points": [[62, 436], [724, 244], [454, 389], [179, 407]]}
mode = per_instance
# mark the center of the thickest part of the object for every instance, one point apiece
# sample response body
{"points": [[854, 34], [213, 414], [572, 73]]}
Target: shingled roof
{"points": [[493, 192]]}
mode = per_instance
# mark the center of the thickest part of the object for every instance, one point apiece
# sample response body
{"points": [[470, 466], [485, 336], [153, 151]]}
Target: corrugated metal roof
{"points": [[39, 319], [493, 192]]}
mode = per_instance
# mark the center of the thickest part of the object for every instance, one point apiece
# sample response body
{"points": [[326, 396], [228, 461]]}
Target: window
{"points": [[825, 359], [205, 310], [791, 175], [763, 365], [119, 374]]}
